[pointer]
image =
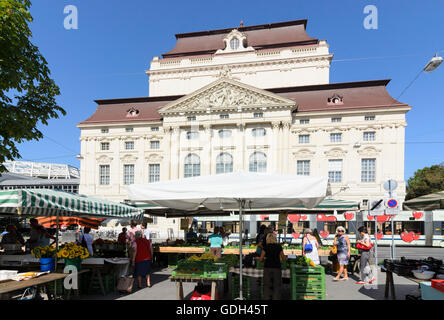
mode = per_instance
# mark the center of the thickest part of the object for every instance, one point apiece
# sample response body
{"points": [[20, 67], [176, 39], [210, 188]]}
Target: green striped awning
{"points": [[433, 201], [45, 202]]}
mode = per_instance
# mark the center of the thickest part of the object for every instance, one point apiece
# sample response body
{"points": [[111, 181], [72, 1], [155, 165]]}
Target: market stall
{"points": [[49, 203], [219, 194]]}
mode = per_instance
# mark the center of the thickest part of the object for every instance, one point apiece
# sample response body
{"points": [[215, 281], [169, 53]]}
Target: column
{"points": [[286, 146], [165, 164], [207, 149], [275, 148], [175, 152], [242, 152]]}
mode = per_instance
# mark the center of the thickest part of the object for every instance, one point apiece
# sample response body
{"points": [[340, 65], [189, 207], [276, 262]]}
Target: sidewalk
{"points": [[163, 289]]}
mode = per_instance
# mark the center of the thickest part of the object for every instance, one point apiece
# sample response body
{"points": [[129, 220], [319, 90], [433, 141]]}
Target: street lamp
{"points": [[431, 66]]}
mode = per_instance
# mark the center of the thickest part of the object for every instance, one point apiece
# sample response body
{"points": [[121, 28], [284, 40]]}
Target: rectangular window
{"points": [[104, 174], [304, 121], [154, 172], [368, 170], [129, 129], [369, 136], [154, 128], [128, 174], [105, 130], [369, 118], [155, 144], [336, 119], [104, 146], [224, 116], [258, 115], [335, 137], [335, 170], [303, 167], [192, 118], [304, 138], [129, 145]]}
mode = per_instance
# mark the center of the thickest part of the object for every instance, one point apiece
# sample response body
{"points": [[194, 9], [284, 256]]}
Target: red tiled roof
{"points": [[274, 35], [356, 95]]}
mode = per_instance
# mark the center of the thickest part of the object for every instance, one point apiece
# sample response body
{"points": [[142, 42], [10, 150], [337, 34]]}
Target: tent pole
{"points": [[240, 248]]}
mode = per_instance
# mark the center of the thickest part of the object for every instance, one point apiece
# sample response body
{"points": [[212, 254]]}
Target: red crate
{"points": [[438, 284]]}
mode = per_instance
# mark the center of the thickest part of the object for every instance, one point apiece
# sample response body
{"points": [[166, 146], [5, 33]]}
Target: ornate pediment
{"points": [[336, 153], [369, 151], [154, 157], [128, 158], [304, 154], [226, 95], [104, 159]]}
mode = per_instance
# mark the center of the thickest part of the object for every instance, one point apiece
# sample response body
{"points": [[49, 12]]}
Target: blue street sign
{"points": [[392, 203]]}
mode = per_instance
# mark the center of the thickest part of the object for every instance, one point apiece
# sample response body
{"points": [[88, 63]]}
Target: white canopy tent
{"points": [[232, 191]]}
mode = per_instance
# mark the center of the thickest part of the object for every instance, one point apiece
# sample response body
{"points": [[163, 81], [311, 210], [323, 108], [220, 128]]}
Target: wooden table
{"points": [[10, 286], [390, 285], [180, 280]]}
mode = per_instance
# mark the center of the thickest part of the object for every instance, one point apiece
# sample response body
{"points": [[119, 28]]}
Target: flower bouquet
{"points": [[73, 254], [46, 255]]}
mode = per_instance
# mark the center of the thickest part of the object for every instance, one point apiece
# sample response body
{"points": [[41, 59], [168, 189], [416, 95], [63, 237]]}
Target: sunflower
{"points": [[64, 253]]}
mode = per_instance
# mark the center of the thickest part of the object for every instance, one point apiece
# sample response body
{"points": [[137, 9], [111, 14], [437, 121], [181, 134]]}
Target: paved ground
{"points": [[163, 289]]}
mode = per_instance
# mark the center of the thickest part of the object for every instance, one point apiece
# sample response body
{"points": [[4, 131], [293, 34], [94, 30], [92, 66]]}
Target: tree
{"points": [[27, 93], [425, 181]]}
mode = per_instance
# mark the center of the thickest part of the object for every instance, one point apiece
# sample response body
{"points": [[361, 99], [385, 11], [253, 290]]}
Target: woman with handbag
{"points": [[141, 258], [343, 248], [365, 247], [310, 246]]}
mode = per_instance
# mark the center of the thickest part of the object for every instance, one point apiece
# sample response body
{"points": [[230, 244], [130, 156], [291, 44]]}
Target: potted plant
{"points": [[47, 256], [73, 254]]}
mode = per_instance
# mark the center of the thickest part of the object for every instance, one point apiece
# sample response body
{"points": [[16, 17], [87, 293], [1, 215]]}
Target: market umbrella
{"points": [[232, 191], [433, 201], [92, 223]]}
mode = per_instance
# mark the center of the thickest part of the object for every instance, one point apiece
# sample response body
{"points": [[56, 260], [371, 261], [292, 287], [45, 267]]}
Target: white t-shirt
{"points": [[146, 234]]}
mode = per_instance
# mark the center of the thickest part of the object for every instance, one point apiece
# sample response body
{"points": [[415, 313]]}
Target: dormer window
{"points": [[132, 112], [335, 99], [234, 44]]}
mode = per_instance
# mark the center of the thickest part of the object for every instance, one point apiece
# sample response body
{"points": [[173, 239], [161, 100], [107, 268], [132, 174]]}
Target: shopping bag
{"points": [[125, 284]]}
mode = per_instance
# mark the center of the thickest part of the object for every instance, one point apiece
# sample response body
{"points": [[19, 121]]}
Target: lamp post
{"points": [[431, 66]]}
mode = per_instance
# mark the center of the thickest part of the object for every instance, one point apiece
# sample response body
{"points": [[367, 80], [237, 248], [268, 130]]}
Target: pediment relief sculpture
{"points": [[303, 154], [104, 159], [369, 151], [223, 95], [335, 152], [128, 158], [154, 157]]}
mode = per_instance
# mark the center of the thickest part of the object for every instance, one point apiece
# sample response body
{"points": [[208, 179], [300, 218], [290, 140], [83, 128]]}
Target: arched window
{"points": [[224, 163], [192, 135], [258, 162], [224, 133], [192, 166], [234, 43], [258, 132]]}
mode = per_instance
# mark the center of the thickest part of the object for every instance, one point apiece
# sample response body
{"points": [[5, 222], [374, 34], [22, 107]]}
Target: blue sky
{"points": [[107, 55]]}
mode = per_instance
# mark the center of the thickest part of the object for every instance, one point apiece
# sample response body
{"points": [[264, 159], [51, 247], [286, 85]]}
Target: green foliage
{"points": [[425, 181], [27, 93]]}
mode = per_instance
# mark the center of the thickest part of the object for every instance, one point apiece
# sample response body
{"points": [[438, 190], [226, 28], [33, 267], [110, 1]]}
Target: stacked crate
{"points": [[172, 260], [186, 268], [235, 287], [307, 283], [215, 270]]}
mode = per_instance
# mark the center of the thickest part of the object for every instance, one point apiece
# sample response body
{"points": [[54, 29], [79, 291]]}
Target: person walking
{"points": [[216, 242], [273, 255], [310, 246], [123, 237], [141, 259], [342, 242], [13, 236], [132, 232], [365, 261], [145, 231]]}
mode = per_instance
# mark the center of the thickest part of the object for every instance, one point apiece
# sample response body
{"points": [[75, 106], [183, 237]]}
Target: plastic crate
{"points": [[306, 287], [309, 296], [438, 284], [187, 273], [306, 269]]}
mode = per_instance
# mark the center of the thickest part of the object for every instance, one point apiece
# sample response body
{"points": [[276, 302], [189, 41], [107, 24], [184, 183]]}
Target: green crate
{"points": [[302, 287], [297, 269], [216, 275], [308, 296], [211, 267], [59, 285]]}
